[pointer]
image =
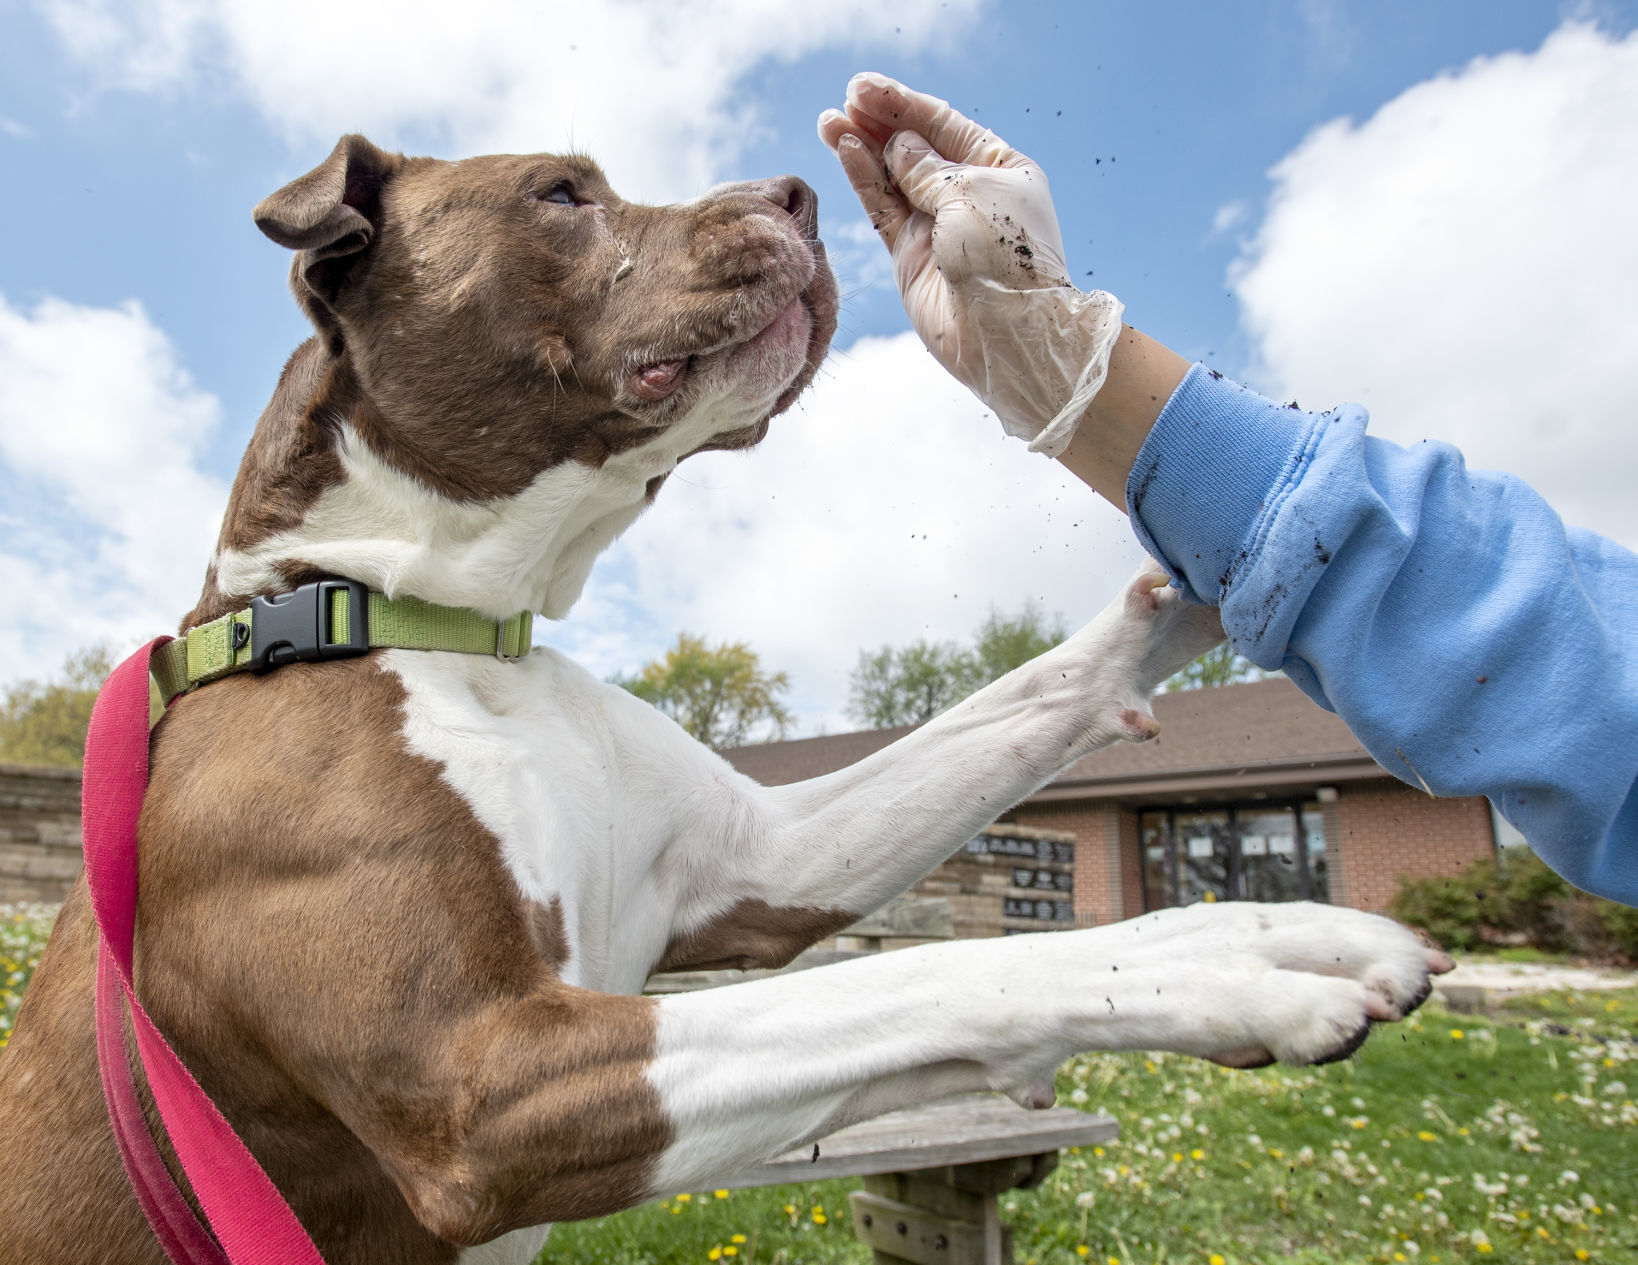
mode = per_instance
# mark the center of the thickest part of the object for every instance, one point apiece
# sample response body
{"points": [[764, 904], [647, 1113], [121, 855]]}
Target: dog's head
{"points": [[507, 335]]}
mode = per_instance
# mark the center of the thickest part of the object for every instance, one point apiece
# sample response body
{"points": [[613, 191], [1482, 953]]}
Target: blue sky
{"points": [[1194, 151]]}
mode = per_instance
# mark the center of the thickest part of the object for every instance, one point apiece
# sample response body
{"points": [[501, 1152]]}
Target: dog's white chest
{"points": [[570, 776]]}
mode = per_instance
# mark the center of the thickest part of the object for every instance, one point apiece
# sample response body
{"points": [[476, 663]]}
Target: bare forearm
{"points": [[1142, 376]]}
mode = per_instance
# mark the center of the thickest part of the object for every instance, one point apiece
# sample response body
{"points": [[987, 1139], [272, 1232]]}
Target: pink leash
{"points": [[250, 1218]]}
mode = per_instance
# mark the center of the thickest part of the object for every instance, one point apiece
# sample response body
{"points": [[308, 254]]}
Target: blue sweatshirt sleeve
{"points": [[1472, 642]]}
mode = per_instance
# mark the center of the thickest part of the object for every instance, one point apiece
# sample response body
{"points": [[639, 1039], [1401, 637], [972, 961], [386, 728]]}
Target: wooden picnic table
{"points": [[934, 1175]]}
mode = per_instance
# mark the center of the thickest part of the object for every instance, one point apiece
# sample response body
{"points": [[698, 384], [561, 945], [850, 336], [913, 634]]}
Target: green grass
{"points": [[1515, 1141], [23, 932]]}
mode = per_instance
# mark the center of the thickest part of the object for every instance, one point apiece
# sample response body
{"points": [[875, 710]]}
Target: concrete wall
{"points": [[39, 832]]}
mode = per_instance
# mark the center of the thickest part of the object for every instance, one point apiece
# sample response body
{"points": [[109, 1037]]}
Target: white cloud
{"points": [[108, 522], [1229, 215], [886, 506], [653, 90], [18, 131], [1462, 263]]}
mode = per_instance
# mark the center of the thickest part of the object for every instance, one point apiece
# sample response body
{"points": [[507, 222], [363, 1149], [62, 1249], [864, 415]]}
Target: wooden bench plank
{"points": [[966, 1130]]}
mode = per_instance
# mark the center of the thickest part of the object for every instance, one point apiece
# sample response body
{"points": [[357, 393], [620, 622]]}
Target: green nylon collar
{"points": [[216, 649]]}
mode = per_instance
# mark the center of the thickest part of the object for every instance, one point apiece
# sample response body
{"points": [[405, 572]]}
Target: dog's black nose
{"points": [[793, 196]]}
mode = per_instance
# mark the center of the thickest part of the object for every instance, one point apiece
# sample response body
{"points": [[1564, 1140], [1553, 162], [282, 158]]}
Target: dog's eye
{"points": [[561, 193]]}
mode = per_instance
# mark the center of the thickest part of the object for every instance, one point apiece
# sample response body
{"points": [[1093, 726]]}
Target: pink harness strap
{"points": [[249, 1217]]}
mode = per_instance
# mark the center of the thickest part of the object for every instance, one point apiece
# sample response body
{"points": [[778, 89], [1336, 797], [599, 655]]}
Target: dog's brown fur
{"points": [[363, 994]]}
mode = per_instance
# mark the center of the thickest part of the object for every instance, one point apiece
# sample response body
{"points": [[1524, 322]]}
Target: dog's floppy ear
{"points": [[331, 214], [331, 210]]}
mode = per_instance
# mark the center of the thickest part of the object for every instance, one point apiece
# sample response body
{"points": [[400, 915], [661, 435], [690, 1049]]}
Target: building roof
{"points": [[1255, 736]]}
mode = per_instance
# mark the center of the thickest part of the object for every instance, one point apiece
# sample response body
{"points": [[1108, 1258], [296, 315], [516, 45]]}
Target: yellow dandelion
{"points": [[790, 1210], [1082, 1250], [1427, 1136], [1150, 1064], [720, 1194], [1216, 1258], [1399, 1256], [684, 1197], [1275, 1153], [730, 1251], [1456, 1034], [1359, 1122], [1582, 1254], [1485, 1248], [1177, 1157], [819, 1218], [715, 1254], [1197, 1154], [1609, 1062], [1098, 1151], [1463, 1131], [738, 1238]]}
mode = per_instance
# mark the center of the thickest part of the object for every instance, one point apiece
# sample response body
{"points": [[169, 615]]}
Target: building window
{"points": [[1265, 852]]}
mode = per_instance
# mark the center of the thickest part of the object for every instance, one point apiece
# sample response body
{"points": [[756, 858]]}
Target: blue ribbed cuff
{"points": [[1210, 477]]}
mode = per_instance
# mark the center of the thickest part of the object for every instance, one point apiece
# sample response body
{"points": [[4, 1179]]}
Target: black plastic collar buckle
{"points": [[297, 628]]}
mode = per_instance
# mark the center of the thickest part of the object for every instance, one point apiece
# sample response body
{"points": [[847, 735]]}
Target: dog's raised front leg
{"points": [[804, 860]]}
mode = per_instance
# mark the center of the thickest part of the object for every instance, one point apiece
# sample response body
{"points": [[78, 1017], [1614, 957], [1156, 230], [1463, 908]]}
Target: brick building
{"points": [[1250, 792]]}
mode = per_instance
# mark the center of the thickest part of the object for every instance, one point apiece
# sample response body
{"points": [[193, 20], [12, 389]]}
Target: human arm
{"points": [[1471, 641]]}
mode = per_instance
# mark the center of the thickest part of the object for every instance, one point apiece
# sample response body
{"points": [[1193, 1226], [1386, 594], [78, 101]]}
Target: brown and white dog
{"points": [[395, 910]]}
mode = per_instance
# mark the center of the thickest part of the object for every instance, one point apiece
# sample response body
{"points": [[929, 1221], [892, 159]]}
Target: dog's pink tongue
{"points": [[656, 381]]}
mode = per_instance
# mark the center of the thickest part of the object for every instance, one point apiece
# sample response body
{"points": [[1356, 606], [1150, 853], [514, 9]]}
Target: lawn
{"points": [[1450, 1138]]}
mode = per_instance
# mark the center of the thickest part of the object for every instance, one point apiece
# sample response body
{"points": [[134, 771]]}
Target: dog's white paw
{"points": [[1176, 632], [1308, 980]]}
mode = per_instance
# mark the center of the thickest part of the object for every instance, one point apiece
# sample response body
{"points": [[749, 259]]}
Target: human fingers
{"points": [[888, 103], [918, 170], [886, 209], [834, 124]]}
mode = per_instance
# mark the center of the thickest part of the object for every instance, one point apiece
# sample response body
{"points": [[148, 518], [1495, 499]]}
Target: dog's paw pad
{"points": [[1138, 725]]}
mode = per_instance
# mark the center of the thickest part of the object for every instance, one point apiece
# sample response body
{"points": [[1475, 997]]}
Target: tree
{"points": [[910, 684], [44, 722], [719, 694], [1218, 666], [1007, 642]]}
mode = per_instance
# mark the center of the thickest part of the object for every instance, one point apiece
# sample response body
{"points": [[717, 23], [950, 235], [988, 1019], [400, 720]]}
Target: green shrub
{"points": [[1515, 899], [1446, 908]]}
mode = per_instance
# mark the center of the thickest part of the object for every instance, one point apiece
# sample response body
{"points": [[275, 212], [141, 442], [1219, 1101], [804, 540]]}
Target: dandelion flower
{"points": [[715, 1254], [684, 1197], [730, 1251], [1581, 1254], [1427, 1135], [1456, 1034], [1197, 1154], [1216, 1258], [819, 1218], [1082, 1250], [720, 1194], [738, 1238]]}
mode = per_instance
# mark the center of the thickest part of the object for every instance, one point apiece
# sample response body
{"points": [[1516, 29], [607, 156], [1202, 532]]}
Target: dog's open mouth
{"points": [[658, 380], [784, 353]]}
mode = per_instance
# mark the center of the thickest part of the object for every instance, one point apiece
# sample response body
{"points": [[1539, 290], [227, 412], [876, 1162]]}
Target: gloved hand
{"points": [[977, 255]]}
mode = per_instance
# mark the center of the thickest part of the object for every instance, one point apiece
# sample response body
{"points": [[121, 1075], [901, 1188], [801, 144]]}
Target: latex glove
{"points": [[977, 256]]}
